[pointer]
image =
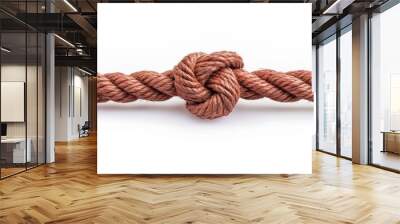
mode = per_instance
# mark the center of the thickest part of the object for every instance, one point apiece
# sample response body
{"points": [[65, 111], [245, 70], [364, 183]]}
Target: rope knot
{"points": [[208, 83], [211, 84]]}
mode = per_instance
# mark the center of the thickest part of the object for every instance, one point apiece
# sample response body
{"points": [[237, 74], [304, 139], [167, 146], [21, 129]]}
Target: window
{"points": [[346, 93], [385, 89], [334, 106], [327, 96]]}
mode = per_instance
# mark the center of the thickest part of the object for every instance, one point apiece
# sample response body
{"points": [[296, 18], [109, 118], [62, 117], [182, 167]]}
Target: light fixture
{"points": [[80, 51], [65, 41], [70, 5], [5, 50], [84, 71], [338, 6]]}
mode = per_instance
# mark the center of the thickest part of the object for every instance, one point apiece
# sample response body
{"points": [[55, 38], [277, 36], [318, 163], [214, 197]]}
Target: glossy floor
{"points": [[5, 172], [70, 191], [8, 171], [387, 159]]}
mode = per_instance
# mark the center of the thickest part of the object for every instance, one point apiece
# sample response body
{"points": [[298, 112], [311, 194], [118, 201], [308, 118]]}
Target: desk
{"points": [[391, 141], [15, 148]]}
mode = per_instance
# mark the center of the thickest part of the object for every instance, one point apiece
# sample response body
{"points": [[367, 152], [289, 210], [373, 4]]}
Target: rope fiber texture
{"points": [[211, 84]]}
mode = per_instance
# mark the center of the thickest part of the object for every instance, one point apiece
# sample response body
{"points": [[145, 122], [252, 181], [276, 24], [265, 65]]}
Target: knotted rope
{"points": [[211, 84]]}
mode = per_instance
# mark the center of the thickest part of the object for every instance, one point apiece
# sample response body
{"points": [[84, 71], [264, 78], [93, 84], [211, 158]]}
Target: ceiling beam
{"points": [[79, 61], [84, 24]]}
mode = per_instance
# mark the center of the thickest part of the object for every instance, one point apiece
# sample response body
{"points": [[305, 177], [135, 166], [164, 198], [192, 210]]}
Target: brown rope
{"points": [[211, 84]]}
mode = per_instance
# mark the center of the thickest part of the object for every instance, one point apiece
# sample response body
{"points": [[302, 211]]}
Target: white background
{"points": [[259, 136]]}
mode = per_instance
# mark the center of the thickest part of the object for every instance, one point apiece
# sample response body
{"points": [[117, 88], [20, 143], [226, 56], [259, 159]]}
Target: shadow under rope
{"points": [[177, 107], [169, 111]]}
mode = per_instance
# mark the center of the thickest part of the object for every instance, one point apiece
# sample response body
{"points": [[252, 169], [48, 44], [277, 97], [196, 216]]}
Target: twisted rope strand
{"points": [[211, 84]]}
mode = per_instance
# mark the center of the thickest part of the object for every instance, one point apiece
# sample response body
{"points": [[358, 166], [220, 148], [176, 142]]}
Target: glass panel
{"points": [[13, 88], [23, 89], [32, 89], [31, 100], [327, 96], [41, 98], [346, 94], [385, 84]]}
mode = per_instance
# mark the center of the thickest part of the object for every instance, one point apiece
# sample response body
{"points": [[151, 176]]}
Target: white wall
{"points": [[17, 72], [70, 84], [14, 73], [62, 82], [12, 101], [80, 109]]}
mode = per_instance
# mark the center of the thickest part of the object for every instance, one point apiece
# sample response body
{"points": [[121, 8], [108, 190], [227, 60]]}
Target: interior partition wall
{"points": [[23, 87], [334, 105]]}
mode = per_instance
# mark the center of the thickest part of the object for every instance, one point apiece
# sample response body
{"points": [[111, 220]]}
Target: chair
{"points": [[84, 130]]}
